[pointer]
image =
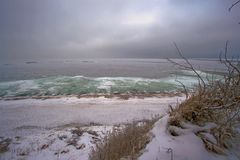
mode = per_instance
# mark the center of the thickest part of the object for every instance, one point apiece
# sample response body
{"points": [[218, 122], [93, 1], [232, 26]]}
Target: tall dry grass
{"points": [[124, 144]]}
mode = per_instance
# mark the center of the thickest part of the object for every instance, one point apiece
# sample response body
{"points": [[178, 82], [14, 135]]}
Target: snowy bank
{"points": [[68, 128], [186, 146]]}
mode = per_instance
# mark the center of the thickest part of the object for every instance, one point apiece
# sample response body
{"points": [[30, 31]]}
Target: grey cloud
{"points": [[116, 28]]}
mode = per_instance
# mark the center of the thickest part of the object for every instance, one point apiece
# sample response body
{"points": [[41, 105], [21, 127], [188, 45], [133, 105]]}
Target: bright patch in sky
{"points": [[142, 19]]}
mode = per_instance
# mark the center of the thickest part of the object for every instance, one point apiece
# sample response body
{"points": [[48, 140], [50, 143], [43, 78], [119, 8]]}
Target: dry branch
{"points": [[189, 66], [234, 4]]}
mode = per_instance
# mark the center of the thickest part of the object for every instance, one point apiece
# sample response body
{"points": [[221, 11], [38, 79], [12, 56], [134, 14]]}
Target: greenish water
{"points": [[78, 85], [97, 76]]}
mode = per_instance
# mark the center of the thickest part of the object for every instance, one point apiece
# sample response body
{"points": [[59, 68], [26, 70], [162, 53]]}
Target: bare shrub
{"points": [[124, 144], [215, 101]]}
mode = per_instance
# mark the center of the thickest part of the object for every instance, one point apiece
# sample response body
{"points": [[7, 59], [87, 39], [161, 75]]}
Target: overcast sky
{"points": [[35, 29]]}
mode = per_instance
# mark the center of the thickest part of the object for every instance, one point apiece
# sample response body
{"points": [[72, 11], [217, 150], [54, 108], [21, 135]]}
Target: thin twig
{"points": [[184, 87], [189, 66], [234, 4]]}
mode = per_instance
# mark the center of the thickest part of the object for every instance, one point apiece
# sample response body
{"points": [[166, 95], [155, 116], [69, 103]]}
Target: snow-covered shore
{"points": [[46, 128], [68, 128], [34, 114]]}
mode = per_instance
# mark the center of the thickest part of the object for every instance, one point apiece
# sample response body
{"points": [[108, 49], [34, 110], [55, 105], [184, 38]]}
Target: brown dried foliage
{"points": [[124, 144], [215, 101]]}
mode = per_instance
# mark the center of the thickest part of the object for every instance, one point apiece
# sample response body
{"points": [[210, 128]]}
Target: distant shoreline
{"points": [[124, 96]]}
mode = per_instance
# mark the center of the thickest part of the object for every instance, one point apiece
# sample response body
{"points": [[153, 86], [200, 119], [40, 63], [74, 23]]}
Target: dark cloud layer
{"points": [[116, 28]]}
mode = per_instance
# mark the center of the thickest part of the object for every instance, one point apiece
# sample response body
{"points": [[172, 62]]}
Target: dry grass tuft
{"points": [[77, 131], [4, 145], [124, 144]]}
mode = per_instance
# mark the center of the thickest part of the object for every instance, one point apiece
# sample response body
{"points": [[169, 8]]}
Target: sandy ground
{"points": [[22, 117], [49, 129]]}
